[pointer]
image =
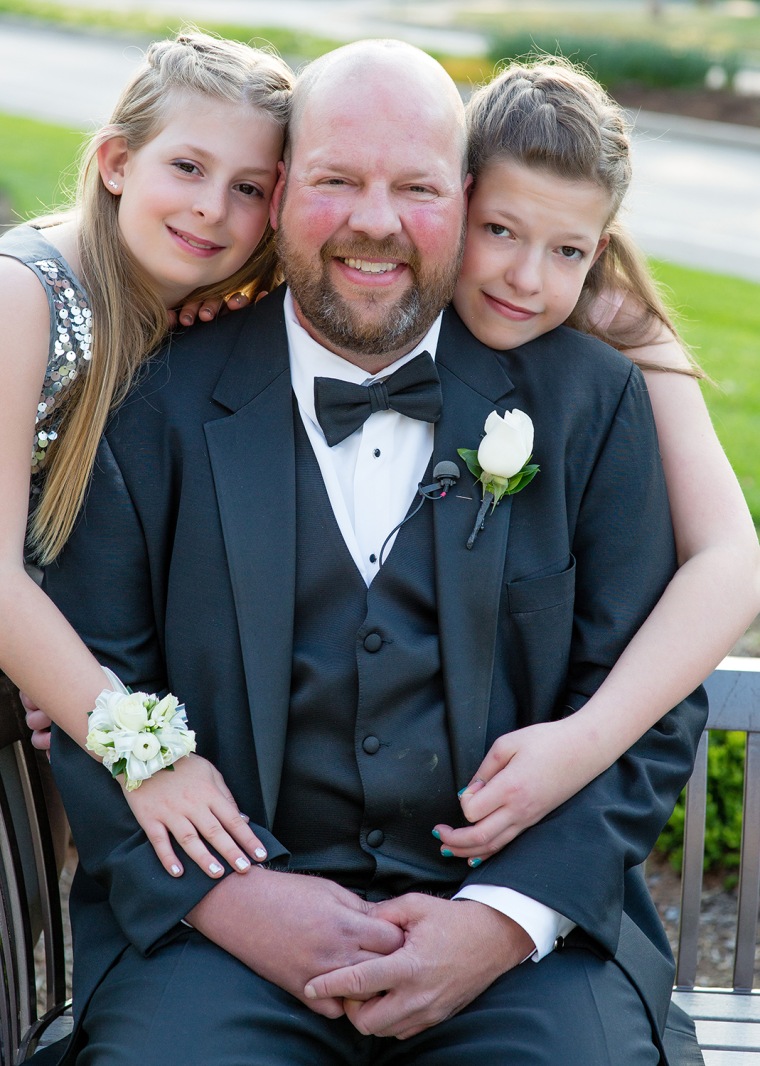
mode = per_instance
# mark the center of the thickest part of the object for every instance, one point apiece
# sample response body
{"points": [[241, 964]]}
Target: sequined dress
{"points": [[70, 333]]}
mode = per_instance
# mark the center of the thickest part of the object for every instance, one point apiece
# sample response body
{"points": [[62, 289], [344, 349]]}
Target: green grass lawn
{"points": [[37, 164], [719, 317]]}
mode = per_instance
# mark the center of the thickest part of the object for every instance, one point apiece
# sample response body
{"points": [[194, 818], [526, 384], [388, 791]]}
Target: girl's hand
{"points": [[193, 802], [525, 775], [205, 310], [38, 722]]}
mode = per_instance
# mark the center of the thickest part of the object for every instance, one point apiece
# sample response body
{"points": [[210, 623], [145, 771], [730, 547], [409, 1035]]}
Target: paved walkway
{"points": [[695, 198]]}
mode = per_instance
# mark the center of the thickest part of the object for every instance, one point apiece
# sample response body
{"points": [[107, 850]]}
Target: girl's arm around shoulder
{"points": [[708, 604]]}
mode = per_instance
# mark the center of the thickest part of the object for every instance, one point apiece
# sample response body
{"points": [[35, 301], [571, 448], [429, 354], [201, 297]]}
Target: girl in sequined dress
{"points": [[549, 152], [173, 201]]}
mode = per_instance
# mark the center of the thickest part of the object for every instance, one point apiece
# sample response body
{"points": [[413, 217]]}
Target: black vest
{"points": [[367, 771]]}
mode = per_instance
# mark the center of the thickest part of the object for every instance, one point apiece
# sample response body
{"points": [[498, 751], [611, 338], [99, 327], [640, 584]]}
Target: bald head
{"points": [[415, 83]]}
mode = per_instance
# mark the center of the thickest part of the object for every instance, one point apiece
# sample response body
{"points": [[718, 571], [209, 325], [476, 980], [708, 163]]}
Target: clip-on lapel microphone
{"points": [[446, 475]]}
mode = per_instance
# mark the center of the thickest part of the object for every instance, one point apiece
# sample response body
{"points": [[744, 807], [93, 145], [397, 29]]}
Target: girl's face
{"points": [[532, 238], [195, 198]]}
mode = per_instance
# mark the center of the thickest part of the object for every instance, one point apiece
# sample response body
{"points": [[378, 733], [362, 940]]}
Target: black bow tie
{"points": [[413, 390]]}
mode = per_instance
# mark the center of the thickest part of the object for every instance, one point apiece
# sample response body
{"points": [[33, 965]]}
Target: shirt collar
{"points": [[309, 359]]}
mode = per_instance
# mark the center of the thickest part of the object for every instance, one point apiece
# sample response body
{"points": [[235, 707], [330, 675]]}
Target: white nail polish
{"points": [[260, 853], [241, 863], [176, 870], [215, 868]]}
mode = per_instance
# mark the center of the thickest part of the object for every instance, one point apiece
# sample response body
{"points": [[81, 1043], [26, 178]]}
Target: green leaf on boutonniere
{"points": [[522, 478], [470, 456]]}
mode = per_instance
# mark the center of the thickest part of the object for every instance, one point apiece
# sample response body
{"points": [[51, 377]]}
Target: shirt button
{"points": [[376, 453], [559, 943], [371, 745], [375, 838], [373, 558], [373, 642]]}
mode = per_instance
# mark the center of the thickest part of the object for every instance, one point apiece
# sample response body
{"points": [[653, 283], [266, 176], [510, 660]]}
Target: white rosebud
{"points": [[145, 747], [164, 710], [99, 741], [102, 716], [177, 743], [507, 445], [130, 714]]}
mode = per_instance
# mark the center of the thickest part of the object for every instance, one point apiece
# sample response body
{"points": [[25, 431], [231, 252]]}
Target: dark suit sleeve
{"points": [[102, 582], [575, 860]]}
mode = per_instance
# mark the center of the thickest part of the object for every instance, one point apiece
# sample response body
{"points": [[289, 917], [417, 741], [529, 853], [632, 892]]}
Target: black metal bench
{"points": [[727, 1019], [30, 904]]}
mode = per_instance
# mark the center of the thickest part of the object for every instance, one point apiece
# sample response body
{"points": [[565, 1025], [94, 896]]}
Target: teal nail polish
{"points": [[462, 791], [446, 853], [475, 862], [436, 834]]}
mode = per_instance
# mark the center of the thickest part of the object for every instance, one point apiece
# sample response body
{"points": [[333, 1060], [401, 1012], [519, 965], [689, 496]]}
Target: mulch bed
{"points": [[714, 105]]}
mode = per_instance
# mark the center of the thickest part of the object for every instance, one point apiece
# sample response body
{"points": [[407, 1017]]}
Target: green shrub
{"points": [[614, 62], [725, 782]]}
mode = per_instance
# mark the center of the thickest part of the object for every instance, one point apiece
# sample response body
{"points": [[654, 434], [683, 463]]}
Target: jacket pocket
{"points": [[541, 593]]}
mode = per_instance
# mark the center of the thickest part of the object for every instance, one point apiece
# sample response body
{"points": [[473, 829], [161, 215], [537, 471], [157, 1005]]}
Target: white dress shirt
{"points": [[371, 478]]}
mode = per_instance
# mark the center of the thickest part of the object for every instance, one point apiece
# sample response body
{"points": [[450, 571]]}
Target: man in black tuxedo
{"points": [[230, 551]]}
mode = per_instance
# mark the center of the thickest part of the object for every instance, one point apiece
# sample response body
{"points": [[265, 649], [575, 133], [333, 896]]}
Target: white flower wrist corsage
{"points": [[137, 734]]}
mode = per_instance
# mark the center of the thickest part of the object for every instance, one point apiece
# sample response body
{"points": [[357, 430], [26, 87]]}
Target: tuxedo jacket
{"points": [[180, 575]]}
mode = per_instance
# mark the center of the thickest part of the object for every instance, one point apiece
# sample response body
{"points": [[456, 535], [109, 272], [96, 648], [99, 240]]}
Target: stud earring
{"points": [[113, 184]]}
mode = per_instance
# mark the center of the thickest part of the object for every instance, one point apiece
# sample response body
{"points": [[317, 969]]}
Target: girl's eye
{"points": [[248, 189], [568, 252], [497, 230], [185, 166]]}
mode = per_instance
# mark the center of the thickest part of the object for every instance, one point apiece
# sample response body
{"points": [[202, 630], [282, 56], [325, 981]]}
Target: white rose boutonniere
{"points": [[137, 734], [502, 462]]}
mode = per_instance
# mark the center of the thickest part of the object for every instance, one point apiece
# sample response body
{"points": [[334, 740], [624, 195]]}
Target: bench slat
{"points": [[749, 876], [738, 1036], [731, 1058], [719, 1005]]}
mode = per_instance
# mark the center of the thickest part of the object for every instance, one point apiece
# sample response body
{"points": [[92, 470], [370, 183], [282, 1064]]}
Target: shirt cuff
{"points": [[545, 927]]}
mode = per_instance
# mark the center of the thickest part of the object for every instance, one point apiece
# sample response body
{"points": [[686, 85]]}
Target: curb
{"points": [[678, 126]]}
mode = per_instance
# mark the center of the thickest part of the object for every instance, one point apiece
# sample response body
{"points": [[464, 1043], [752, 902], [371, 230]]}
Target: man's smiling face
{"points": [[370, 209]]}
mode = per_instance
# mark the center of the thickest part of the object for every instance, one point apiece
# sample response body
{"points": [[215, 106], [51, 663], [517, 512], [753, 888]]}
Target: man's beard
{"points": [[391, 327]]}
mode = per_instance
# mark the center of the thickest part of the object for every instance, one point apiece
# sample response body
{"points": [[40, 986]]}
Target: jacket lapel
{"points": [[468, 582], [252, 458]]}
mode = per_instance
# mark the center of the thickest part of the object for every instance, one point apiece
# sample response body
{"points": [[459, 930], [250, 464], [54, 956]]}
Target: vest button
{"points": [[375, 838], [371, 745], [373, 642]]}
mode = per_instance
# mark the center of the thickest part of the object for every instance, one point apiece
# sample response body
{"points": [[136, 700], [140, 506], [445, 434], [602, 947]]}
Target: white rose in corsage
{"points": [[137, 734], [502, 462]]}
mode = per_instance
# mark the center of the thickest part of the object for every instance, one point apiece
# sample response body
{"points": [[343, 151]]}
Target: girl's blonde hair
{"points": [[129, 319], [546, 112]]}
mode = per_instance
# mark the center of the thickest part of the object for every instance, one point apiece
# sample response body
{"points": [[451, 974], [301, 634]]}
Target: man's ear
{"points": [[277, 194], [112, 163]]}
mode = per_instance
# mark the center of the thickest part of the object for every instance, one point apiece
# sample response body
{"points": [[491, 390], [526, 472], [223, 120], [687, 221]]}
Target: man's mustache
{"points": [[389, 249]]}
